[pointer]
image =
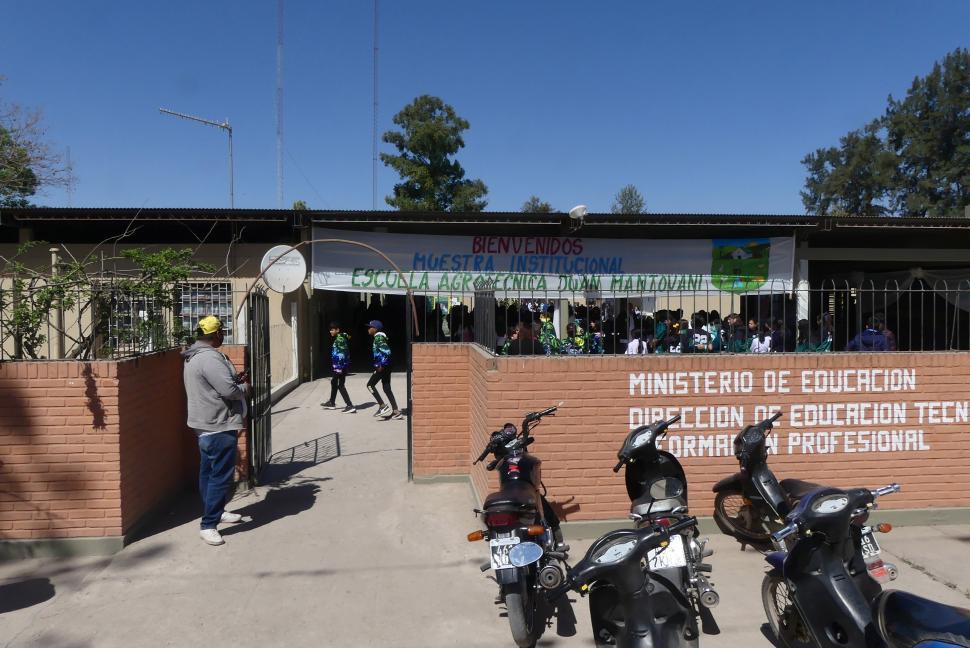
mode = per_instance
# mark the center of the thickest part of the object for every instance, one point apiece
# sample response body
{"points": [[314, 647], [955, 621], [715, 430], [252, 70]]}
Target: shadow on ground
{"points": [[277, 504], [285, 464], [23, 594]]}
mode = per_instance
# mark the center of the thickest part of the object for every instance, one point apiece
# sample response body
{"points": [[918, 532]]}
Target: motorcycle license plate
{"points": [[672, 555], [500, 551], [870, 547]]}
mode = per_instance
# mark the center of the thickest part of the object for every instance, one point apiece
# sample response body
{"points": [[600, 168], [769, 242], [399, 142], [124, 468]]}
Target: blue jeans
{"points": [[217, 463]]}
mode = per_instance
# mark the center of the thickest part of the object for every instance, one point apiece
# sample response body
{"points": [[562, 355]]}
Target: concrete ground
{"points": [[342, 551]]}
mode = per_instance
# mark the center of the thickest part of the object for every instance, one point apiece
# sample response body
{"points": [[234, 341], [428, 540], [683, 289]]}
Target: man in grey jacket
{"points": [[216, 397]]}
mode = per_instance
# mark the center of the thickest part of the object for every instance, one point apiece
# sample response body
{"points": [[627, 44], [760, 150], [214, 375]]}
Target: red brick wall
{"points": [[87, 448], [441, 423], [579, 445]]}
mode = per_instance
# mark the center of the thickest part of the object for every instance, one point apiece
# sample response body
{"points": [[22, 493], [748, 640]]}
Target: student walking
{"points": [[382, 372], [340, 361]]}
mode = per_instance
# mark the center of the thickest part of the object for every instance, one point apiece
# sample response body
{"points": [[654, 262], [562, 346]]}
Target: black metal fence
{"points": [[833, 316]]}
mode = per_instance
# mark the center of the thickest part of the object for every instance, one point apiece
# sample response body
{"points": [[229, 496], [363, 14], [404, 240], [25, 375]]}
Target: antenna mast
{"points": [[374, 128], [279, 104], [224, 126]]}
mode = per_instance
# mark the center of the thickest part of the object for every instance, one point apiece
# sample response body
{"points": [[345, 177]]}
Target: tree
{"points": [[430, 135], [628, 200], [26, 161], [534, 205], [300, 205], [914, 160]]}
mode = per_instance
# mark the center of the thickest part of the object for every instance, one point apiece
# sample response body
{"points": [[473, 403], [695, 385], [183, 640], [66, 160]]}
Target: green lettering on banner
{"points": [[542, 283], [353, 278], [423, 281], [616, 281], [443, 281]]}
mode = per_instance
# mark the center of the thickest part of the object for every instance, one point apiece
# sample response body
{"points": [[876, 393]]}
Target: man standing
{"points": [[216, 397], [382, 372]]}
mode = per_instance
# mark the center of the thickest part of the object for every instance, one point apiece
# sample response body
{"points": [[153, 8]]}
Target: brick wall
{"points": [[88, 448], [925, 454], [440, 424]]}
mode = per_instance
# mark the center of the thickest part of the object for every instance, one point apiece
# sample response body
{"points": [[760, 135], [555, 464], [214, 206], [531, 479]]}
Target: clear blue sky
{"points": [[705, 106]]}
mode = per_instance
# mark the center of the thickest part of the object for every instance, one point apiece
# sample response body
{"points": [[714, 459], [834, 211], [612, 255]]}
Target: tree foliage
{"points": [[430, 136], [914, 160], [27, 162], [300, 205], [628, 200], [535, 205]]}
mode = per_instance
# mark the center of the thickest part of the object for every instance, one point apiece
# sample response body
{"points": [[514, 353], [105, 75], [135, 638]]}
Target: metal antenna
{"points": [[279, 104], [374, 129], [224, 126]]}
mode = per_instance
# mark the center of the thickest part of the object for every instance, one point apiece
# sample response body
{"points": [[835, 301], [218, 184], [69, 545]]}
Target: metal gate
{"points": [[260, 434]]}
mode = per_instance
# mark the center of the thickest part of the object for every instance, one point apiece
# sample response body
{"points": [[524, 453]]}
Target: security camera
{"points": [[577, 214]]}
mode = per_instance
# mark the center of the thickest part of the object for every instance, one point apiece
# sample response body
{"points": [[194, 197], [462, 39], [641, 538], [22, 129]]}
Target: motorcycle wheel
{"points": [[520, 603], [739, 519], [784, 618]]}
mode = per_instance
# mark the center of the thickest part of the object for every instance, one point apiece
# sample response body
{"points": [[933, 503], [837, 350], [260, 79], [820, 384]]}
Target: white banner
{"points": [[517, 265]]}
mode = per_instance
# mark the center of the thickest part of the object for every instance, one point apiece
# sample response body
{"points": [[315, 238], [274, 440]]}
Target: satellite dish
{"points": [[289, 271], [578, 213]]}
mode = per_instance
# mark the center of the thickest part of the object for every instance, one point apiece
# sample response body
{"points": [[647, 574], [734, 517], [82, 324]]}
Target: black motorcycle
{"points": [[522, 530], [643, 600], [811, 600], [657, 487], [752, 504]]}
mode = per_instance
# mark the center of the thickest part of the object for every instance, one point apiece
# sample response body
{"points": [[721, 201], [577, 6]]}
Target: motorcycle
{"points": [[522, 530], [657, 487], [751, 505], [643, 600], [810, 600]]}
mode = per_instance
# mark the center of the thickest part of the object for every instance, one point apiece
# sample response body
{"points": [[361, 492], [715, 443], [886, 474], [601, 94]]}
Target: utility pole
{"points": [[224, 126], [374, 128], [279, 104]]}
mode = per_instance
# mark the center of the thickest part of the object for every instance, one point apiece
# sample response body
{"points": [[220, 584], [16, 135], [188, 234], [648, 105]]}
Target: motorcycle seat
{"points": [[515, 497], [797, 489], [906, 621], [647, 505]]}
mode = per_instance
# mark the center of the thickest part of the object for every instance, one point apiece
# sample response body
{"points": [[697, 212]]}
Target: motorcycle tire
{"points": [[784, 618], [737, 520], [520, 604]]}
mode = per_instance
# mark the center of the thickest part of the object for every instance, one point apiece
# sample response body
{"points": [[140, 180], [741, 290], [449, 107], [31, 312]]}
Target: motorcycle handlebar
{"points": [[785, 531], [886, 490], [619, 464], [672, 421], [535, 416]]}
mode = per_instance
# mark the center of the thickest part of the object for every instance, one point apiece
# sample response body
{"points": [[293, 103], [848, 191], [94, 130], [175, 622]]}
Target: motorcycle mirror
{"points": [[666, 488]]}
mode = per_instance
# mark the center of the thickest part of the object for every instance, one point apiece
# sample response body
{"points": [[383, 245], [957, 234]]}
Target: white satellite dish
{"points": [[289, 271]]}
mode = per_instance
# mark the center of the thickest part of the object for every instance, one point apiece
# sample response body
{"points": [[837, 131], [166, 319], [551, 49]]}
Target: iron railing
{"points": [[916, 315], [104, 319]]}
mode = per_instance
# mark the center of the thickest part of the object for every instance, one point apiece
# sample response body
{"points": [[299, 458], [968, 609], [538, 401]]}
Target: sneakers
{"points": [[384, 410], [397, 415], [230, 518], [350, 409], [211, 537], [328, 405]]}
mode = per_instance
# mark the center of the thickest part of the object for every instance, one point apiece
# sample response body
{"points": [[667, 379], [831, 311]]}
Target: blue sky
{"points": [[705, 106]]}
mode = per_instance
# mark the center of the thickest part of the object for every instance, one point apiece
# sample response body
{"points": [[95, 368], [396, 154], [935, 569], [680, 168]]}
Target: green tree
{"points": [[535, 205], [628, 200], [430, 135], [27, 163], [17, 179], [914, 160], [300, 205]]}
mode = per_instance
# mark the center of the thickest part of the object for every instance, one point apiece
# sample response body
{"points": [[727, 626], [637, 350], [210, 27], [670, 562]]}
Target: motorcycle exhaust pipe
{"points": [[550, 577], [709, 598]]}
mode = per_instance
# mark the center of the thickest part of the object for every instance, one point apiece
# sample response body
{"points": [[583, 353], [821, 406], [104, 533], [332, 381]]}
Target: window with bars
{"points": [[198, 299]]}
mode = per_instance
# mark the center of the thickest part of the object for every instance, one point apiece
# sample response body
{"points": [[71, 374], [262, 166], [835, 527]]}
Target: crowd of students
{"points": [[668, 331]]}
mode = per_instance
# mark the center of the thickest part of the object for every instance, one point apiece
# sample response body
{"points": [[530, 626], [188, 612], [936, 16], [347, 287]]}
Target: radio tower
{"points": [[374, 128], [279, 104]]}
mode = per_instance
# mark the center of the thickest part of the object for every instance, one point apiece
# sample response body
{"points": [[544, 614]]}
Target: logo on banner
{"points": [[740, 265]]}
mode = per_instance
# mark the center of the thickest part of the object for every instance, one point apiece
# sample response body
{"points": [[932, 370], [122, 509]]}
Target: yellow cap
{"points": [[209, 324]]}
